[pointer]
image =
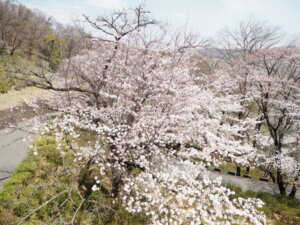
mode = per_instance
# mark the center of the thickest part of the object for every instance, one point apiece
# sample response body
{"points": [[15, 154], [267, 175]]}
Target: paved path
{"points": [[244, 183], [250, 184], [14, 146]]}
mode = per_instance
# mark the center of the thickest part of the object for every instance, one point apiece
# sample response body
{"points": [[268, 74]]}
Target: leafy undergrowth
{"points": [[50, 179], [281, 210]]}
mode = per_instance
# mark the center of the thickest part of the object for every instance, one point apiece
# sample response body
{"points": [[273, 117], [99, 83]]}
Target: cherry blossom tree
{"points": [[151, 118], [274, 78], [234, 45]]}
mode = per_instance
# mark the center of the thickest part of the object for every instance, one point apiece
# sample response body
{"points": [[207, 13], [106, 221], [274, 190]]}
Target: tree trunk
{"points": [[272, 177], [280, 182], [293, 192], [238, 171], [12, 52], [247, 169], [116, 183], [85, 180], [294, 189]]}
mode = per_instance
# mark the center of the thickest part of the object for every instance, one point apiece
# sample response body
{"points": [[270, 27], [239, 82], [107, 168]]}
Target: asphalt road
{"points": [[14, 144], [250, 184]]}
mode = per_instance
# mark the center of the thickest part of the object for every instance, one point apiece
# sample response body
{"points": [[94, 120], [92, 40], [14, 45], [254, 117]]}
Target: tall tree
{"points": [[275, 86], [136, 93]]}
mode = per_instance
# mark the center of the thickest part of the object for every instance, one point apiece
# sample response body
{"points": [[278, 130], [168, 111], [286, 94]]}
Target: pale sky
{"points": [[205, 16]]}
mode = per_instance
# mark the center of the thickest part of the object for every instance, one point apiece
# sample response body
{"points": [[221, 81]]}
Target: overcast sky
{"points": [[205, 16]]}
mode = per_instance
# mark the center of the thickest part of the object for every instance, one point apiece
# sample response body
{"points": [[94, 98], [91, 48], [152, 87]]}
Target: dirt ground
{"points": [[16, 98], [18, 114]]}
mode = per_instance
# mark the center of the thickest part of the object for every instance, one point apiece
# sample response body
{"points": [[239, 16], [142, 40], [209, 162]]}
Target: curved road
{"points": [[13, 149]]}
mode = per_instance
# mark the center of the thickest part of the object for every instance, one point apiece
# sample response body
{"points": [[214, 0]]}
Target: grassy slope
{"points": [[279, 210], [13, 92], [41, 177], [10, 62], [15, 97]]}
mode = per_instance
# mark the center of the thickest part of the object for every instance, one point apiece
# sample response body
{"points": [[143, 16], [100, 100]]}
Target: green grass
{"points": [[7, 62], [281, 210], [12, 63], [14, 91], [41, 177], [255, 173], [15, 98]]}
